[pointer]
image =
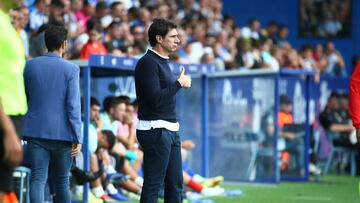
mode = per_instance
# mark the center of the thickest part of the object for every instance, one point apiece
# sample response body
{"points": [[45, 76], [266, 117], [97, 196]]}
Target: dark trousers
{"points": [[162, 164]]}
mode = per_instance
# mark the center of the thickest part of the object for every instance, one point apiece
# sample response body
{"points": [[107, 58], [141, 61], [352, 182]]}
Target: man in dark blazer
{"points": [[52, 125]]}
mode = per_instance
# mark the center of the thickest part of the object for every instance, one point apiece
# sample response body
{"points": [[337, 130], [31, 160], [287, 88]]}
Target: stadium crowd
{"points": [[207, 35]]}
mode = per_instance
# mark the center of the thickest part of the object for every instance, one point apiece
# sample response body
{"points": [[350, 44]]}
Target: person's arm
{"points": [[341, 61], [354, 99], [12, 147], [73, 108]]}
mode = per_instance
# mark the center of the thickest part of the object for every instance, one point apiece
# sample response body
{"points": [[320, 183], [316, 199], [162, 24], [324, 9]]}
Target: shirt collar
{"points": [[52, 54], [164, 57]]}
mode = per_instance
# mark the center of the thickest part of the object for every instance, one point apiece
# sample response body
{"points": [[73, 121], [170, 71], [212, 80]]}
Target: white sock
{"points": [[139, 180], [212, 191], [98, 191], [110, 170], [198, 178], [111, 189]]}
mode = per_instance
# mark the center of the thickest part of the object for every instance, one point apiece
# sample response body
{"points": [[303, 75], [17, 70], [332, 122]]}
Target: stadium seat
{"points": [[341, 151]]}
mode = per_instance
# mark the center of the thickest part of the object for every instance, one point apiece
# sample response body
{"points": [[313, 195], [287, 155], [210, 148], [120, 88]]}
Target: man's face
{"points": [[94, 112], [119, 112], [170, 42], [94, 35], [103, 143], [119, 11]]}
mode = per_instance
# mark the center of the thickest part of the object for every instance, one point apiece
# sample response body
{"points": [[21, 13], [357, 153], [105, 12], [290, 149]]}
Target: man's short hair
{"points": [[161, 27], [124, 98], [110, 138], [111, 102], [55, 36], [93, 24], [113, 5], [94, 102], [57, 4]]}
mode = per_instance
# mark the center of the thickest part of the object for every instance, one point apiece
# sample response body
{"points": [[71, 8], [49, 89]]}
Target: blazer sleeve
{"points": [[354, 97], [73, 106]]}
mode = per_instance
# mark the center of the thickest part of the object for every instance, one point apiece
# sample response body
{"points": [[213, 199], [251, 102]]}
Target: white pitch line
{"points": [[310, 198]]}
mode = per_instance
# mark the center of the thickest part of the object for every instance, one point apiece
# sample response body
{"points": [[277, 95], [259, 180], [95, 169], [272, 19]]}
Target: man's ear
{"points": [[64, 45], [159, 39]]}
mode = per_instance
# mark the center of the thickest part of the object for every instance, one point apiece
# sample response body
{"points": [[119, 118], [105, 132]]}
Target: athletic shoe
{"points": [[119, 197], [212, 191], [213, 182], [107, 199]]}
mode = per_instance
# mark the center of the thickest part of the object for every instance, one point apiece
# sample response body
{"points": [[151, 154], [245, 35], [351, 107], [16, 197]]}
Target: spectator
{"points": [[294, 142], [94, 45], [308, 61], [114, 38], [86, 13], [335, 61], [281, 38], [252, 30], [39, 15], [56, 12], [37, 43], [269, 31]]}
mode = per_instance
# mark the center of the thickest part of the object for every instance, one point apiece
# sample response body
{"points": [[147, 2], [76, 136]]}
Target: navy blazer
{"points": [[53, 95]]}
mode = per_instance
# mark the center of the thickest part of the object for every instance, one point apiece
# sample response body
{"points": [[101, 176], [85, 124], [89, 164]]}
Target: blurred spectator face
{"points": [[119, 112], [188, 48], [278, 55], [272, 28], [222, 37], [283, 32], [330, 47], [101, 9], [115, 32], [102, 140], [207, 58], [15, 18], [67, 6], [182, 37], [138, 33], [308, 53], [255, 25], [24, 12], [94, 112], [200, 32], [144, 15], [118, 11], [286, 107], [89, 9], [57, 13], [164, 11], [125, 30], [319, 49], [333, 103], [76, 5], [94, 35], [293, 55], [42, 5], [344, 103], [210, 40]]}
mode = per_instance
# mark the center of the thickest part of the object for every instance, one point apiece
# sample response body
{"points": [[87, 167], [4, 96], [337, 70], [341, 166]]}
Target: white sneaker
{"points": [[314, 169], [212, 191]]}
